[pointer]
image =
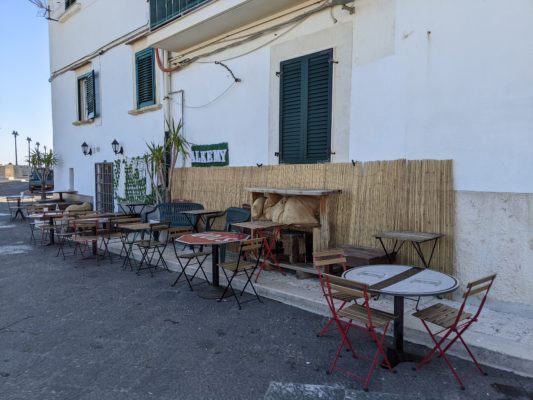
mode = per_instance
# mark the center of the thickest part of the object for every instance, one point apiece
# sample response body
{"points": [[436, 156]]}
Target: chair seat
{"points": [[234, 265], [84, 239], [345, 296], [149, 243], [359, 313], [112, 235], [194, 255], [441, 315]]}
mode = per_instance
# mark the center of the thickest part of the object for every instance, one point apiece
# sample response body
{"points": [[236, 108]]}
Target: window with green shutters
{"points": [[86, 97], [145, 77], [305, 108], [163, 11]]}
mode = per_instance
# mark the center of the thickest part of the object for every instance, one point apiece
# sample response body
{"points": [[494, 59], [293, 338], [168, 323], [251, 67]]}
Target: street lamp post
{"points": [[37, 144], [29, 152], [15, 134]]}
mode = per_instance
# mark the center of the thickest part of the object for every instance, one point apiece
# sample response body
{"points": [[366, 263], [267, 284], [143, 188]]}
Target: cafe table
{"points": [[200, 215], [50, 217], [270, 232], [19, 210], [401, 281], [415, 238], [213, 239]]}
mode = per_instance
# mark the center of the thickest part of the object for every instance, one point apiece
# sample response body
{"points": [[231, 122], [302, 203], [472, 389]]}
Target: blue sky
{"points": [[24, 88]]}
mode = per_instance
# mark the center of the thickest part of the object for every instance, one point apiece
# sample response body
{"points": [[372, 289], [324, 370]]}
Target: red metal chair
{"points": [[326, 260], [453, 321], [367, 318]]}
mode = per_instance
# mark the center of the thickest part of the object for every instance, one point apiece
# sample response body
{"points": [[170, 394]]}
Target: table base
{"points": [[396, 358]]}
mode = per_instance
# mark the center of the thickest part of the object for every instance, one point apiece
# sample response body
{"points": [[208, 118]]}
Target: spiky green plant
{"points": [[42, 162], [161, 160]]}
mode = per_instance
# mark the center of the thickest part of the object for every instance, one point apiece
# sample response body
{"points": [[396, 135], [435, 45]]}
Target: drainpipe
{"points": [[167, 86]]}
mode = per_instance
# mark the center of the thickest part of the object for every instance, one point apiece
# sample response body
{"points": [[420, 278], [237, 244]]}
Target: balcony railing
{"points": [[162, 11]]}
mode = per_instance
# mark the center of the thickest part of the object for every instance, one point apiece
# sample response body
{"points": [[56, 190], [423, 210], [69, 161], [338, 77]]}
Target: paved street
{"points": [[77, 330]]}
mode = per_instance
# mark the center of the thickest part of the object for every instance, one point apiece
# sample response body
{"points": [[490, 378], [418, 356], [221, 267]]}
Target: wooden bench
{"points": [[357, 256]]}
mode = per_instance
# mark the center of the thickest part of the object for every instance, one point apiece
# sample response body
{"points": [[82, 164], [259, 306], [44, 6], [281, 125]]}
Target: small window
{"points": [[68, 3], [145, 78], [86, 97]]}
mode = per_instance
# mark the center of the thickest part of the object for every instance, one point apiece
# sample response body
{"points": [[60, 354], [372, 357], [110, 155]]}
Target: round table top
{"points": [[403, 280], [211, 238]]}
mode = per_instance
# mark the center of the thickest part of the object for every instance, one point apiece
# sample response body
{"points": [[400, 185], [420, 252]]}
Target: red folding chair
{"points": [[326, 260], [368, 319], [453, 321]]}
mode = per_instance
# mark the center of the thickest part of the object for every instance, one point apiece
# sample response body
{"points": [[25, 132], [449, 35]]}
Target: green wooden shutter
{"points": [[291, 103], [318, 138], [305, 109], [91, 95], [145, 71], [68, 3]]}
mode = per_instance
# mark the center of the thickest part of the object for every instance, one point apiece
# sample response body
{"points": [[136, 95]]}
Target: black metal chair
{"points": [[152, 247], [247, 262], [199, 256]]}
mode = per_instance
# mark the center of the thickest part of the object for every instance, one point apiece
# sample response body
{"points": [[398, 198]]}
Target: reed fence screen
{"points": [[376, 196]]}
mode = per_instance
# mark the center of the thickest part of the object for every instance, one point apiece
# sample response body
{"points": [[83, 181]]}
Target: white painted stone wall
{"points": [[96, 24], [416, 79], [494, 234]]}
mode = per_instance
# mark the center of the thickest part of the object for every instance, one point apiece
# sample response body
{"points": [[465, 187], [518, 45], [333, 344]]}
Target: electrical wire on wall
{"points": [[294, 22], [210, 101]]}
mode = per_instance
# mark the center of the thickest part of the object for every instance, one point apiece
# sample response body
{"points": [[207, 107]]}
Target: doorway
{"points": [[105, 201]]}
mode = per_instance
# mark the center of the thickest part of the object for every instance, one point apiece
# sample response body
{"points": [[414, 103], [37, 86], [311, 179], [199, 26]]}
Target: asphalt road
{"points": [[76, 329]]}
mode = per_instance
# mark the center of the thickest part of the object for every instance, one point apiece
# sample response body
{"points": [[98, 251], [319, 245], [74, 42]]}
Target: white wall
{"points": [[219, 110], [91, 25], [70, 40], [464, 91]]}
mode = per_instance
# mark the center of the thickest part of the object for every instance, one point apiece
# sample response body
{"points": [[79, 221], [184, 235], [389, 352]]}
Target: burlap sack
{"points": [[271, 200], [79, 207], [278, 210], [257, 208], [300, 210]]}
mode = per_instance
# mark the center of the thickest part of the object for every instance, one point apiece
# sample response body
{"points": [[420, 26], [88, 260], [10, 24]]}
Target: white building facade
{"points": [[369, 80]]}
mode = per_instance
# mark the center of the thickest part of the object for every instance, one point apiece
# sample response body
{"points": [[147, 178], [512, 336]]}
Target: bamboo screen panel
{"points": [[376, 196]]}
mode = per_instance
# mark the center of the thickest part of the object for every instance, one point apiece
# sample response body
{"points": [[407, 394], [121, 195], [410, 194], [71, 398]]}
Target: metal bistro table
{"points": [[213, 239], [200, 215], [402, 281], [19, 210], [416, 239]]}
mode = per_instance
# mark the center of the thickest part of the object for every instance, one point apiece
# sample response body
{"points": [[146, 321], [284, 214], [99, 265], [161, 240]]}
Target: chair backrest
{"points": [[478, 287], [329, 258], [172, 212], [176, 232], [335, 284], [254, 245], [235, 215]]}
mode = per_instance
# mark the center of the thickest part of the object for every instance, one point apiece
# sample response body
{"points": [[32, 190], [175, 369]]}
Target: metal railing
{"points": [[163, 11]]}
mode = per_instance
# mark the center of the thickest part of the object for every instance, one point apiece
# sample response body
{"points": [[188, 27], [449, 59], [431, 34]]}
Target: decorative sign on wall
{"points": [[209, 155]]}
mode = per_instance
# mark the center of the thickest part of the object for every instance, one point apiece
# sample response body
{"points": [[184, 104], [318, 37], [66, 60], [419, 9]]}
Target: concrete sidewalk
{"points": [[502, 338]]}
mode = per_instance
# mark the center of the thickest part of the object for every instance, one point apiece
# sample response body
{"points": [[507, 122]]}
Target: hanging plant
{"points": [[134, 172]]}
